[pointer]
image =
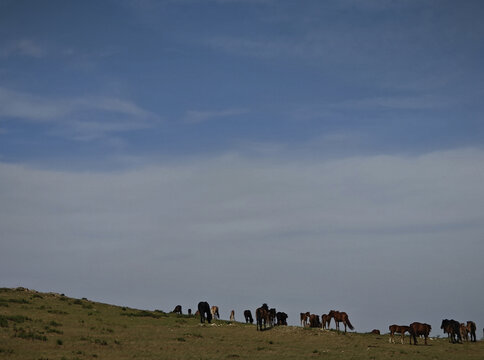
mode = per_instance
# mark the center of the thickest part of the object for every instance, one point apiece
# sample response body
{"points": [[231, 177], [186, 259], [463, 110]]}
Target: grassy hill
{"points": [[42, 326]]}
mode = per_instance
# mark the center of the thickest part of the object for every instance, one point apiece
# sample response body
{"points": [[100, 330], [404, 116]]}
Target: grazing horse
{"points": [[418, 329], [375, 332], [214, 311], [177, 309], [281, 318], [232, 315], [325, 320], [304, 318], [340, 316], [204, 311], [262, 316], [314, 321], [452, 328], [471, 328], [398, 329], [248, 317]]}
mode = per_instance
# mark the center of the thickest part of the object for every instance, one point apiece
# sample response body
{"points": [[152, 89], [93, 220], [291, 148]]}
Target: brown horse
{"points": [[400, 330], [232, 315], [304, 318], [215, 313], [340, 316], [325, 319], [262, 316], [471, 328], [418, 329], [177, 309], [464, 333]]}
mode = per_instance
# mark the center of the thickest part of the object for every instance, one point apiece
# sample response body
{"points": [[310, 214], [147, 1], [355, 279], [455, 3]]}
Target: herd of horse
{"points": [[268, 317]]}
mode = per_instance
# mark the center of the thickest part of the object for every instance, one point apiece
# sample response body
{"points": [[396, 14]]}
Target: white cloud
{"points": [[198, 116], [67, 116], [200, 227], [23, 47]]}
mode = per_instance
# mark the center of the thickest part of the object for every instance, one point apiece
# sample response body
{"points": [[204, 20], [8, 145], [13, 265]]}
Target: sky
{"points": [[307, 154]]}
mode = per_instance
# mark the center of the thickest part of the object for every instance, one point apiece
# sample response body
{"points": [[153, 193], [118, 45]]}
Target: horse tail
{"points": [[349, 324]]}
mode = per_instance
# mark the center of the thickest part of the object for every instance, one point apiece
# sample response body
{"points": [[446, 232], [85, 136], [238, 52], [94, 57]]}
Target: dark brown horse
{"points": [[177, 309], [418, 329], [340, 316], [452, 328], [262, 316], [399, 329], [471, 328], [314, 321]]}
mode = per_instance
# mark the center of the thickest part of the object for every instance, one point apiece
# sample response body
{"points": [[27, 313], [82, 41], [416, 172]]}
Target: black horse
{"points": [[204, 310], [452, 328], [248, 317], [281, 318]]}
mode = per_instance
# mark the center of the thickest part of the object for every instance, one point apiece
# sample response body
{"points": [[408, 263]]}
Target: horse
{"points": [[272, 316], [177, 310], [471, 328], [232, 315], [189, 312], [248, 317], [452, 328], [340, 316], [214, 311], [464, 333], [398, 329], [281, 318], [418, 329], [304, 318], [325, 320], [314, 321], [204, 311], [375, 332], [262, 316]]}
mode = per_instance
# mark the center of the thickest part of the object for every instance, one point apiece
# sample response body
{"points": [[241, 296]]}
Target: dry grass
{"points": [[49, 326]]}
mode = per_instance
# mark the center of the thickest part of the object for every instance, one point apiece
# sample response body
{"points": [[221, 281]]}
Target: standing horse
{"points": [[340, 316], [452, 328], [262, 316], [471, 328], [214, 311], [304, 318], [325, 320], [398, 329], [204, 311], [232, 315], [418, 329], [314, 321]]}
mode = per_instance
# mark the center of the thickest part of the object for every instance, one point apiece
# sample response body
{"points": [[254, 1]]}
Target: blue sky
{"points": [[189, 138], [95, 80]]}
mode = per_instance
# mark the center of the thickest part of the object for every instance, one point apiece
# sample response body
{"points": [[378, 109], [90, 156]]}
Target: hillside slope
{"points": [[43, 326]]}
